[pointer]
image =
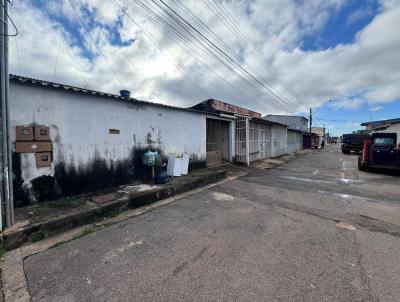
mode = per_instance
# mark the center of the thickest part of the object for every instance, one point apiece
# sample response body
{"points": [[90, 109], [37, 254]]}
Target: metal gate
{"points": [[252, 140], [217, 141]]}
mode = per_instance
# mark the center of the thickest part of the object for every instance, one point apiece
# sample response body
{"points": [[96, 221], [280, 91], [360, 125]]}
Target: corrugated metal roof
{"points": [[267, 122], [69, 88], [381, 122]]}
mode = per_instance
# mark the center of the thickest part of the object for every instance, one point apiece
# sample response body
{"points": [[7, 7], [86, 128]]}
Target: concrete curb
{"points": [[40, 246], [14, 282], [15, 288], [16, 237]]}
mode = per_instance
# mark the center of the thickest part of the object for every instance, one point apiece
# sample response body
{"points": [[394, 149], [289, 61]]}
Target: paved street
{"points": [[272, 235]]}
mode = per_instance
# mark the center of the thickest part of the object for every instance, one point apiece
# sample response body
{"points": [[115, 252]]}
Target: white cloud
{"points": [[358, 15], [369, 68], [376, 108]]}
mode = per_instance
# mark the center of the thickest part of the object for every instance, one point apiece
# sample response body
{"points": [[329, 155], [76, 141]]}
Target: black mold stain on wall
{"points": [[21, 194], [196, 163], [45, 188], [70, 180], [96, 175]]}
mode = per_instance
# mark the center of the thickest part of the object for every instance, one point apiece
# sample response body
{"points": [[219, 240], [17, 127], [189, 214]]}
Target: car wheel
{"points": [[361, 167]]}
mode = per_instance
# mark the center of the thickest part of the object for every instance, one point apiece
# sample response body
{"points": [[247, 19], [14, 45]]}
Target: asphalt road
{"points": [[269, 236]]}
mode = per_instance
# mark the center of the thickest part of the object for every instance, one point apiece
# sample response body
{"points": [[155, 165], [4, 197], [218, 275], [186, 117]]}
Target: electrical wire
{"points": [[59, 44], [151, 38], [106, 33], [243, 37], [180, 38], [12, 22], [94, 42], [16, 47], [190, 40], [222, 53], [205, 47]]}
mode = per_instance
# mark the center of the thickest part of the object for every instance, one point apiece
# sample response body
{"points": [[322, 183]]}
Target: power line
{"points": [[59, 44], [223, 53], [159, 21], [181, 36], [8, 17], [150, 37], [234, 27], [94, 42], [16, 47], [206, 48], [204, 26], [228, 57]]}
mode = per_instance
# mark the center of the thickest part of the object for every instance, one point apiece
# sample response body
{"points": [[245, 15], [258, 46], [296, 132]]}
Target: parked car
{"points": [[353, 142], [380, 151]]}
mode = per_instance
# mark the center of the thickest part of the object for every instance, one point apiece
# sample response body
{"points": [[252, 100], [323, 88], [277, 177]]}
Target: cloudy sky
{"points": [[340, 57]]}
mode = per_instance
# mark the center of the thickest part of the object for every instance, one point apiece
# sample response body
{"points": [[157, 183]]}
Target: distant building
{"points": [[293, 122], [321, 134], [254, 137], [298, 136], [376, 124], [391, 127]]}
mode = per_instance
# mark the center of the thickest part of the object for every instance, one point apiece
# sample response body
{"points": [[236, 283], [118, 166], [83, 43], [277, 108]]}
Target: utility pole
{"points": [[5, 153], [310, 119]]}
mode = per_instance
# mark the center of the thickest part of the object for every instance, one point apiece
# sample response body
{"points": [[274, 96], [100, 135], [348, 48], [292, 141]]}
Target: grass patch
{"points": [[59, 243], [41, 235], [87, 231], [35, 220], [2, 253], [113, 213], [43, 208], [109, 214], [77, 201]]}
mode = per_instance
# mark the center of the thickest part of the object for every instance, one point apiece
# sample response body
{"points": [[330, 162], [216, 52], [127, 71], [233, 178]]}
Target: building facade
{"points": [[293, 122], [321, 134], [69, 140], [392, 126], [254, 137]]}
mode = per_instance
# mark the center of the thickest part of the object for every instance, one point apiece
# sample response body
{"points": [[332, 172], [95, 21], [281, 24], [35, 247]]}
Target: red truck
{"points": [[380, 151]]}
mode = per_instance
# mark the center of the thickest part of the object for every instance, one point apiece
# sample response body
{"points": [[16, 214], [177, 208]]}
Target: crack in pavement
{"points": [[360, 220], [363, 274], [185, 264], [176, 271]]}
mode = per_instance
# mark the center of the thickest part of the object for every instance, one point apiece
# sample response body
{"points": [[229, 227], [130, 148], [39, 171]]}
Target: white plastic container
{"points": [[173, 166], [185, 164]]}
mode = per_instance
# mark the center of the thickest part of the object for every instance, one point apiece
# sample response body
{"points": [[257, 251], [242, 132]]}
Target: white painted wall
{"points": [[79, 127], [294, 141], [394, 128], [278, 140]]}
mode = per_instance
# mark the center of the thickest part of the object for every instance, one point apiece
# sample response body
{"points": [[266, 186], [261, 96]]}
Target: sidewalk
{"points": [[46, 219]]}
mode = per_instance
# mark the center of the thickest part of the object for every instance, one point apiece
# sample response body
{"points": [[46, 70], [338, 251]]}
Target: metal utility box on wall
{"points": [[34, 139], [42, 133], [24, 133], [43, 159]]}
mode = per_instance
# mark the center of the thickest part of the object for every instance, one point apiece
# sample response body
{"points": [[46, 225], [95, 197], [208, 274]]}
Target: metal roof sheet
{"points": [[69, 88]]}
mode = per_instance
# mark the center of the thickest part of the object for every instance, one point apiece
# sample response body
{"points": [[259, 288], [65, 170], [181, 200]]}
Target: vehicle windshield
{"points": [[383, 141]]}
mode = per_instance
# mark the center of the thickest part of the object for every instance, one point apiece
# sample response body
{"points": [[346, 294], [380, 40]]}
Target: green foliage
{"points": [[87, 231], [35, 220], [2, 252], [77, 201], [41, 235]]}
